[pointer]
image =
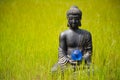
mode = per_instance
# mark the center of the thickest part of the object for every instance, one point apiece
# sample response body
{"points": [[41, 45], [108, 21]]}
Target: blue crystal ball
{"points": [[76, 55]]}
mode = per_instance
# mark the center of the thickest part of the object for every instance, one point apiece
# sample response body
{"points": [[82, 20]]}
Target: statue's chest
{"points": [[75, 40]]}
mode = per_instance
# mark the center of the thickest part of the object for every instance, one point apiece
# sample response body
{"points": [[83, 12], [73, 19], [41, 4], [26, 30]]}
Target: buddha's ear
{"points": [[68, 25], [80, 23]]}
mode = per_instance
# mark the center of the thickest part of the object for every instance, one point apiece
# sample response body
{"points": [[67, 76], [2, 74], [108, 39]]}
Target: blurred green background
{"points": [[29, 32]]}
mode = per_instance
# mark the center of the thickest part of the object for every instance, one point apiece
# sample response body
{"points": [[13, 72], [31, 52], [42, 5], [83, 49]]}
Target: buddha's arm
{"points": [[88, 46], [89, 43], [62, 49]]}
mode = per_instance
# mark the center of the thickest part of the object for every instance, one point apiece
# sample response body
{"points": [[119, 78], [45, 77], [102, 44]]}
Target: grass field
{"points": [[29, 31]]}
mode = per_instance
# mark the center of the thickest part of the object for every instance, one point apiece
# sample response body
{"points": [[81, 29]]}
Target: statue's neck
{"points": [[75, 28]]}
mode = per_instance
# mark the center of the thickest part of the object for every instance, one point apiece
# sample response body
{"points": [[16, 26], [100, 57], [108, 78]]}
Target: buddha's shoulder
{"points": [[65, 33], [85, 31]]}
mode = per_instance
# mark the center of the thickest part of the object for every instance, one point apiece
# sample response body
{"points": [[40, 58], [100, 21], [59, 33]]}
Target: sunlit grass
{"points": [[29, 32]]}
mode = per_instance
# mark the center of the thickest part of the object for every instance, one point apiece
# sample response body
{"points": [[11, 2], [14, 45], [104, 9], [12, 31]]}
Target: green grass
{"points": [[29, 32]]}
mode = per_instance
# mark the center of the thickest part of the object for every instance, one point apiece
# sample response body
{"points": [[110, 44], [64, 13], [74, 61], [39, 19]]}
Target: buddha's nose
{"points": [[73, 20]]}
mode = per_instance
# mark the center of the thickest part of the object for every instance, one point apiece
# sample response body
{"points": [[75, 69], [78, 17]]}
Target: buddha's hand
{"points": [[86, 56], [72, 62]]}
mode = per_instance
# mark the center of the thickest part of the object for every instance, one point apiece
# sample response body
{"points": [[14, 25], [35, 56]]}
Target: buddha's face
{"points": [[74, 21]]}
